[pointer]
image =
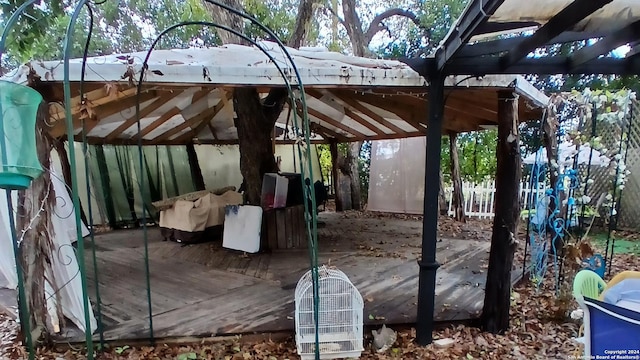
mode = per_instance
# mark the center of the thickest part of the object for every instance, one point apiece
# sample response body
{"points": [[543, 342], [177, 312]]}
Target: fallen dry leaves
{"points": [[540, 329]]}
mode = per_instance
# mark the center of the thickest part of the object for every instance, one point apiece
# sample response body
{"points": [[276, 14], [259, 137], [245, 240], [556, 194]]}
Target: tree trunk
{"points": [[255, 117], [495, 313], [66, 173], [254, 139], [347, 177], [194, 166], [35, 232], [457, 197], [353, 158], [442, 199]]}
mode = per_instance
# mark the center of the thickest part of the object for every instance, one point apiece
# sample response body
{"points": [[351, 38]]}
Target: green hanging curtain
{"points": [[122, 159], [170, 173], [100, 173]]}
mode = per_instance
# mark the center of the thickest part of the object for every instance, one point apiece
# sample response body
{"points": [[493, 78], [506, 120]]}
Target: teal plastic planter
{"points": [[19, 163]]}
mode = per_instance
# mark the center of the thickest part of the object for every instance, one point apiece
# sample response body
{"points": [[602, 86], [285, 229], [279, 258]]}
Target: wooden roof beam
{"points": [[355, 117], [102, 111], [392, 104], [316, 126], [319, 115], [167, 116], [353, 104], [190, 135], [144, 112], [608, 43], [206, 115], [469, 109], [565, 19], [328, 133], [476, 15], [97, 98]]}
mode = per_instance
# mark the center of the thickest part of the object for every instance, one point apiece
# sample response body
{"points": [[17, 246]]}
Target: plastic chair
{"points": [[589, 284]]}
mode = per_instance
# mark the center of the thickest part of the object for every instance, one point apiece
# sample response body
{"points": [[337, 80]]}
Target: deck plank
{"points": [[205, 290]]}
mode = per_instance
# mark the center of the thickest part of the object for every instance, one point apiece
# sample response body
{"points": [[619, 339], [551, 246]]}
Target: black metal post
{"points": [[428, 263]]}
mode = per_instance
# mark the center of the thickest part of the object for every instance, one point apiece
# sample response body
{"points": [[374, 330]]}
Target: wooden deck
{"points": [[205, 290]]}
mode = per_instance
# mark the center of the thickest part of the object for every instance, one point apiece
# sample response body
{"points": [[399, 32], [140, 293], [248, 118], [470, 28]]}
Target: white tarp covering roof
{"points": [[187, 95], [237, 65]]}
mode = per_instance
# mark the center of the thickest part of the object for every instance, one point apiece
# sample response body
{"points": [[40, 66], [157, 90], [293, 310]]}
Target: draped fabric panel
{"points": [[396, 179]]}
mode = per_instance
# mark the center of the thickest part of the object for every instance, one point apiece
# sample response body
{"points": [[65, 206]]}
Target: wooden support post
{"points": [[458, 197], [66, 173], [497, 300], [428, 263], [194, 165]]}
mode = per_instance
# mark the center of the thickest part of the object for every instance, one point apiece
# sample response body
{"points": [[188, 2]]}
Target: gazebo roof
{"points": [[187, 95], [503, 36]]}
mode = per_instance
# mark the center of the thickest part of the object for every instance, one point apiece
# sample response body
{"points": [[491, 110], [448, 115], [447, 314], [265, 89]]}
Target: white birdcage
{"points": [[339, 316]]}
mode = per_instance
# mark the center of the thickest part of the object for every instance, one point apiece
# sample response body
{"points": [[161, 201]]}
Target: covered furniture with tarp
{"points": [[195, 217]]}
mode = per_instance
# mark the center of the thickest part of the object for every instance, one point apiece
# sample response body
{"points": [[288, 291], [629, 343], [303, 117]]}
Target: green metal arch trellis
{"points": [[302, 129]]}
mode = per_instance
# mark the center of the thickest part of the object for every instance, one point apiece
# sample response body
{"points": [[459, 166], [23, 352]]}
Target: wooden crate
{"points": [[284, 228]]}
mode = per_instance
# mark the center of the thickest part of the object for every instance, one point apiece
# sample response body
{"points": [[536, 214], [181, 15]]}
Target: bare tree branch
{"points": [[335, 14], [377, 24]]}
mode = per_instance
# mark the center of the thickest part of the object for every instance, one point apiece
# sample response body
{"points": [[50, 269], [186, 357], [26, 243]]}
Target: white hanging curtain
{"points": [[64, 273], [396, 178]]}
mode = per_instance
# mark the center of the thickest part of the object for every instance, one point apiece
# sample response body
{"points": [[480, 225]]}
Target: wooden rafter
{"points": [[144, 112], [319, 115], [190, 135], [470, 110], [159, 121], [97, 98], [393, 104], [355, 117], [167, 116], [205, 115], [103, 111], [354, 105], [565, 19], [327, 133], [316, 125], [621, 37]]}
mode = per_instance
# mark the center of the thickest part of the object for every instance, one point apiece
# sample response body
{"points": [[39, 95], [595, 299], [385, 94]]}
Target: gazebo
{"points": [[186, 99]]}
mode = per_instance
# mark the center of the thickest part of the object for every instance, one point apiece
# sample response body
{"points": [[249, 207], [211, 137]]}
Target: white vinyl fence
{"points": [[479, 199]]}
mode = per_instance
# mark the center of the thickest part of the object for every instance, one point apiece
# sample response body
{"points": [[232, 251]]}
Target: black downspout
{"points": [[428, 264]]}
